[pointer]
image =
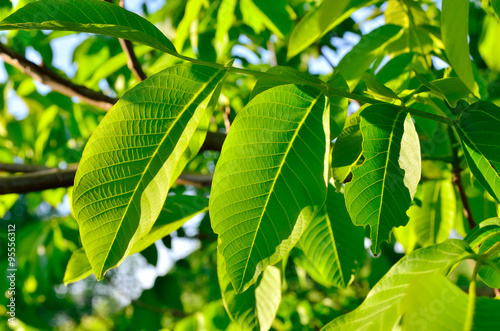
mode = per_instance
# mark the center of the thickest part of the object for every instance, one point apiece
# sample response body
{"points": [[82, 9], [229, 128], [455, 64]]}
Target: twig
{"points": [[132, 61], [53, 80], [457, 179], [49, 178]]}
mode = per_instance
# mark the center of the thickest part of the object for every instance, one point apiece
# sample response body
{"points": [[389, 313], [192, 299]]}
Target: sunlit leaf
{"points": [[362, 55], [92, 16], [316, 23], [332, 244], [454, 31], [477, 127], [383, 187], [134, 156], [256, 307], [383, 306], [178, 209], [270, 180]]}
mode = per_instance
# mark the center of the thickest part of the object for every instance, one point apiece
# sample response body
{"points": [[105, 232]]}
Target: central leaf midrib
{"points": [[195, 96], [334, 246], [278, 172], [385, 174]]}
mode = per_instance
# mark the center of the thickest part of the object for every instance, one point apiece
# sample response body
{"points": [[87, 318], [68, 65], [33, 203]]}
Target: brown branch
{"points": [[59, 84], [457, 179], [37, 181], [132, 61], [14, 168], [39, 178]]}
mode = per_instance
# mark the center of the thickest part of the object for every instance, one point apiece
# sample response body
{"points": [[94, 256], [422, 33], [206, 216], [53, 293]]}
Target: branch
{"points": [[48, 77], [457, 179], [37, 181], [13, 168], [132, 61], [40, 178]]}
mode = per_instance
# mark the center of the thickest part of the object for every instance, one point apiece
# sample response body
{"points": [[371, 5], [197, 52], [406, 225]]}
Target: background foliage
{"points": [[344, 120]]}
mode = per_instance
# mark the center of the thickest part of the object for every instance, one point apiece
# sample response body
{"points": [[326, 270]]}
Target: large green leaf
{"points": [[383, 306], [477, 127], [135, 155], [454, 31], [332, 244], [256, 307], [178, 209], [432, 302], [270, 180], [316, 23], [94, 16], [383, 187], [496, 7], [370, 47]]}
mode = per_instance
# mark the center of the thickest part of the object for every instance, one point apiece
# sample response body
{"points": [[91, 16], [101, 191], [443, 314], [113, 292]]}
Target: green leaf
{"points": [[379, 89], [135, 155], [489, 275], [254, 309], [78, 267], [434, 219], [454, 31], [484, 230], [316, 23], [281, 76], [332, 244], [382, 307], [338, 105], [178, 209], [432, 302], [477, 127], [496, 7], [347, 150], [271, 14], [383, 187], [191, 13], [270, 180], [93, 16], [225, 19], [370, 47], [488, 44], [451, 89]]}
